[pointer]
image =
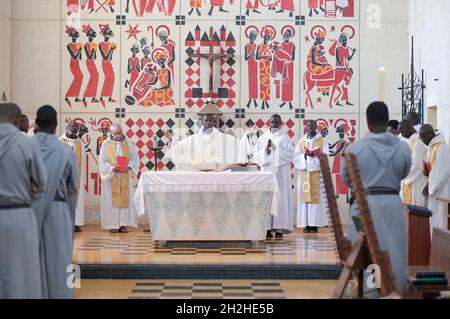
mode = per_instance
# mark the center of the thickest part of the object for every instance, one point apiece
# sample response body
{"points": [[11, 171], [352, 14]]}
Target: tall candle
{"points": [[382, 83]]}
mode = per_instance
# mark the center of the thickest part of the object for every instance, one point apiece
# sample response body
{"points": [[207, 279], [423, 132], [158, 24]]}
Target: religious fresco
{"points": [[207, 9], [330, 66], [92, 57], [270, 56], [210, 45], [145, 9], [277, 9], [91, 9], [330, 9], [339, 133], [148, 131], [94, 130], [152, 65]]}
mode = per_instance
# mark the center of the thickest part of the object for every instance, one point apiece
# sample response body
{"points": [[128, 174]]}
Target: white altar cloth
{"points": [[207, 206]]}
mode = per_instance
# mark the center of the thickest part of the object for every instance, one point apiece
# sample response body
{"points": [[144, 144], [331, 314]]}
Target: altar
{"points": [[207, 206]]}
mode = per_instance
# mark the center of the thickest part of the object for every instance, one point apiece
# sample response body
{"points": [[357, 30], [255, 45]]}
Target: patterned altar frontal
{"points": [[139, 63]]}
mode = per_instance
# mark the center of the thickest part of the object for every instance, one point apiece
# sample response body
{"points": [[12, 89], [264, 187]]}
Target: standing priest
{"points": [[71, 138], [414, 183], [311, 210], [274, 152], [118, 164], [208, 146], [437, 169]]}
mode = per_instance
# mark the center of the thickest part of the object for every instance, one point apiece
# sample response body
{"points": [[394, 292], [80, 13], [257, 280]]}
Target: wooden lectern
{"points": [[447, 201], [419, 236]]}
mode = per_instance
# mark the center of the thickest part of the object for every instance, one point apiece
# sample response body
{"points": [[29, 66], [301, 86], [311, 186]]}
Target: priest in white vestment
{"points": [[414, 118], [209, 147], [311, 208], [437, 168], [274, 153], [414, 183], [71, 138], [118, 163]]}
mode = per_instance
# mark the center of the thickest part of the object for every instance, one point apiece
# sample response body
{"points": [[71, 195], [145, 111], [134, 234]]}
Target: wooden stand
{"points": [[366, 250], [419, 236], [343, 245]]}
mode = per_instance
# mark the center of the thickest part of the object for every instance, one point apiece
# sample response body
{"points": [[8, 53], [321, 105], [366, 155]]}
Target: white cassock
{"points": [[80, 154], [114, 218], [438, 159], [414, 183], [312, 213], [203, 148], [279, 163]]}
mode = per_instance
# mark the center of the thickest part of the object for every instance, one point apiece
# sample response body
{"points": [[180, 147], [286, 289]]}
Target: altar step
{"points": [[215, 272]]}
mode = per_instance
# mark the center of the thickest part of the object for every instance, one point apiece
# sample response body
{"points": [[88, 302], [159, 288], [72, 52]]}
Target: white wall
{"points": [[429, 23], [5, 46], [384, 46], [36, 59]]}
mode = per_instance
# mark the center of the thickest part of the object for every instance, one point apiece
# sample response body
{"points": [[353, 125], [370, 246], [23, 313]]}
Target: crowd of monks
{"points": [[41, 202]]}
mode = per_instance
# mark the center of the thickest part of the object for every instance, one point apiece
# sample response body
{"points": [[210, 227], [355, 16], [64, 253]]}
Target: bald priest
{"points": [[208, 148]]}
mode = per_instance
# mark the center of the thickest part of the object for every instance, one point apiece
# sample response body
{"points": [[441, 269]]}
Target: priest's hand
{"points": [[250, 130], [426, 192], [269, 147], [33, 187], [168, 134]]}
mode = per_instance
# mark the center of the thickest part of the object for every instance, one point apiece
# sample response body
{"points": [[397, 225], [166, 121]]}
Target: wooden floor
{"points": [[205, 289], [95, 246]]}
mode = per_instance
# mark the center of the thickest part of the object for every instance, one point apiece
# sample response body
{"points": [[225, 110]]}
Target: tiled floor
{"points": [[200, 289], [94, 246]]}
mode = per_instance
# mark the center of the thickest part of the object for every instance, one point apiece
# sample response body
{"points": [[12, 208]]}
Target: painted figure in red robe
{"points": [[75, 50], [91, 48], [264, 56], [252, 5], [195, 5], [252, 63], [104, 129], [336, 152], [317, 63], [218, 3], [107, 50], [287, 5], [162, 95], [168, 45], [288, 47], [134, 67], [146, 6], [344, 55], [314, 5], [147, 58], [143, 85]]}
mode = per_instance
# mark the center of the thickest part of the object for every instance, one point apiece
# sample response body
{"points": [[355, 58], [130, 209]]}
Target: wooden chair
{"points": [[366, 250]]}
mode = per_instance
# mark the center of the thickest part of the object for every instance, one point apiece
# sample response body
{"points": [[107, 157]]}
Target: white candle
{"points": [[382, 83]]}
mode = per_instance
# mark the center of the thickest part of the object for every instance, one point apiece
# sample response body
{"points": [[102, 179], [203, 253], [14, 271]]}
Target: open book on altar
{"points": [[240, 167]]}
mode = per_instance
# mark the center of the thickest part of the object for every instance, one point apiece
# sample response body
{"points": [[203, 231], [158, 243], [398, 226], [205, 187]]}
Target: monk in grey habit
{"points": [[24, 180], [384, 161], [56, 209]]}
